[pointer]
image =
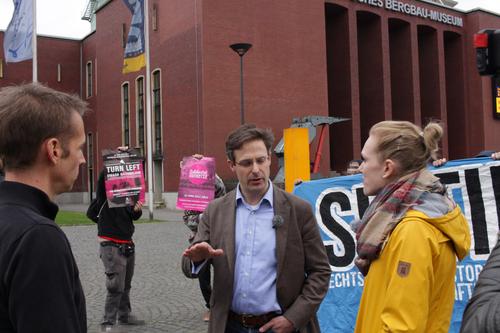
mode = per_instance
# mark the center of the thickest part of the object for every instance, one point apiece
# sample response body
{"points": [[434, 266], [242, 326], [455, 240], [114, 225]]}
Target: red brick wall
{"points": [[284, 71]]}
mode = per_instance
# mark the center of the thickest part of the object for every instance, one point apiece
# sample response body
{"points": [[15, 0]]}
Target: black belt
{"points": [[111, 243], [126, 249], [251, 321]]}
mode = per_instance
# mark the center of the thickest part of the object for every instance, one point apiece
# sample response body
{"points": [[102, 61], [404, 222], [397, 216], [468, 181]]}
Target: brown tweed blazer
{"points": [[303, 271]]}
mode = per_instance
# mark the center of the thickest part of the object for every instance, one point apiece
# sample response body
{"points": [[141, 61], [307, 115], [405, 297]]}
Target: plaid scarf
{"points": [[387, 210]]}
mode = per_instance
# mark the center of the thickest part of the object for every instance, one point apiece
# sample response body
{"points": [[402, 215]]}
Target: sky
{"points": [[62, 18]]}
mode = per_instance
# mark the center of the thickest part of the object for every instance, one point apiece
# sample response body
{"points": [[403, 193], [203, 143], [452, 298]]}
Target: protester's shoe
{"points": [[206, 316], [107, 326], [130, 320]]}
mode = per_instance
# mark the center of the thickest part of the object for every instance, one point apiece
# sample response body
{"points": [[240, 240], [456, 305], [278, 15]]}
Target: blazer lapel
{"points": [[229, 230], [281, 208]]}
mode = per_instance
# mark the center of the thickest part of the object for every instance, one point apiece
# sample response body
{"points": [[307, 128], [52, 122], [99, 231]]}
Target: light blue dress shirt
{"points": [[255, 252]]}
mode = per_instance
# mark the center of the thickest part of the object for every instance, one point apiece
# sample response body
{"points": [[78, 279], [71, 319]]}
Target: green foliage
{"points": [[67, 218]]}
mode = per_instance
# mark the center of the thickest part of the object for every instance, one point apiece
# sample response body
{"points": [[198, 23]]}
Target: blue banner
{"points": [[474, 184], [17, 44], [134, 58]]}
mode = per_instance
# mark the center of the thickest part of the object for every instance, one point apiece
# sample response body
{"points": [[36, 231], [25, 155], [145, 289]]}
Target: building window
{"points": [[154, 17], [89, 79], [157, 113], [125, 115], [58, 72], [1, 68], [124, 35], [90, 150], [140, 114], [90, 163]]}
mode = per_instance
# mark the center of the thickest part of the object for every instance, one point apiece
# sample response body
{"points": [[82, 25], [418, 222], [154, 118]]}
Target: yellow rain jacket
{"points": [[410, 287]]}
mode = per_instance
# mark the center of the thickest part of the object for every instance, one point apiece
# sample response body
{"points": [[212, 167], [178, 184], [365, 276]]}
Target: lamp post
{"points": [[241, 49]]}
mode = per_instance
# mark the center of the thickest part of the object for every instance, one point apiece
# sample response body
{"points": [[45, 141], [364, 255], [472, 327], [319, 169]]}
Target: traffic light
{"points": [[487, 45]]}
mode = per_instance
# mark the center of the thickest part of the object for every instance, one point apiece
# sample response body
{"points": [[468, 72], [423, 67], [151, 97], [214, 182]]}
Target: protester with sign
{"points": [[196, 183], [41, 142], [410, 235], [117, 252], [124, 176], [191, 220], [271, 271]]}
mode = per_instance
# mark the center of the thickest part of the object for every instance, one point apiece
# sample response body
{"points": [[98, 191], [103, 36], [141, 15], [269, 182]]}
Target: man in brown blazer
{"points": [[271, 271]]}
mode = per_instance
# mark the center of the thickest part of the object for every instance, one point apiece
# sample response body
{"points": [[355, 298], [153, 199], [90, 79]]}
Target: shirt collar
{"points": [[269, 196], [27, 196]]}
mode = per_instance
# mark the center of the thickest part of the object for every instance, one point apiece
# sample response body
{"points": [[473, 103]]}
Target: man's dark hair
{"points": [[30, 114], [246, 133]]}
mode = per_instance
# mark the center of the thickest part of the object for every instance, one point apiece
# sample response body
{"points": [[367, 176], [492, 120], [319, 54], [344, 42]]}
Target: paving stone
{"points": [[160, 294]]}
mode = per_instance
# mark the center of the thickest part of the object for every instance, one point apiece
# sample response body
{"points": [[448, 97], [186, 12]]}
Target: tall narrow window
{"points": [[140, 114], [90, 163], [124, 35], [58, 72], [125, 115], [89, 79], [157, 112], [1, 68], [154, 17]]}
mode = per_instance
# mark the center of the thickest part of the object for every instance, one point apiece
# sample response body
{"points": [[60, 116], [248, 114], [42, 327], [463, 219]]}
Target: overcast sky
{"points": [[54, 17], [63, 17]]}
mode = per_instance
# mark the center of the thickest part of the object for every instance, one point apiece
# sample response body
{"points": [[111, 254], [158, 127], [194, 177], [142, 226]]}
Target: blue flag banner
{"points": [[134, 58], [474, 184], [17, 44]]}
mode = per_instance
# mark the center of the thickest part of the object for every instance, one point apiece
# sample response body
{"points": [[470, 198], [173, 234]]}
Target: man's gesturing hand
{"points": [[201, 251], [279, 325]]}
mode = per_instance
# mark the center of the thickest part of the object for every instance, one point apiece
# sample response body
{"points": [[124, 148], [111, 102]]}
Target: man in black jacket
{"points": [[41, 141], [117, 251], [482, 313]]}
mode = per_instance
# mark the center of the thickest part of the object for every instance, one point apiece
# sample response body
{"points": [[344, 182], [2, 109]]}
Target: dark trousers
{"points": [[119, 271], [205, 286]]}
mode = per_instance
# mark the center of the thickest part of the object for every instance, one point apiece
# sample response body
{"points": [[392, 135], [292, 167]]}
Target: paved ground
{"points": [[160, 294]]}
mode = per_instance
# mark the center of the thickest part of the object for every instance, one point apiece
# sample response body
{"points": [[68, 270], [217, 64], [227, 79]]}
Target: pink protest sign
{"points": [[124, 180], [196, 184]]}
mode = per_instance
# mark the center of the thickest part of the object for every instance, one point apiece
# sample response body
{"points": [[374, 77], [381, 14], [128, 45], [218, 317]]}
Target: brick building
{"points": [[366, 60]]}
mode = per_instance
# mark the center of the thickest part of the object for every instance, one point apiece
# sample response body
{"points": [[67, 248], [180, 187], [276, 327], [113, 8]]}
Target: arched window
{"points": [[89, 79], [141, 134], [157, 144], [125, 115]]}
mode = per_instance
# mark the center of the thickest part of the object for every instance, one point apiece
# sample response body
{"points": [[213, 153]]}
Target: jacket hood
{"points": [[451, 223]]}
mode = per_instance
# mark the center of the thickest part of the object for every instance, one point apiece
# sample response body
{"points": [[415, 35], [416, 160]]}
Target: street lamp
{"points": [[241, 49]]}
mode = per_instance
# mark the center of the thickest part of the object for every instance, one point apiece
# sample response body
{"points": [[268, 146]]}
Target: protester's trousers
{"points": [[119, 270], [205, 286]]}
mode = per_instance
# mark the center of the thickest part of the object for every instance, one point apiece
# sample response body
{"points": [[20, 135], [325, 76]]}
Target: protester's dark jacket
{"points": [[40, 289], [117, 222], [482, 313]]}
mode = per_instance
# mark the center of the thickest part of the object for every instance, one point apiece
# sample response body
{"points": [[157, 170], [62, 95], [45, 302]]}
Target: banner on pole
{"points": [[474, 184], [18, 43], [134, 58], [124, 177]]}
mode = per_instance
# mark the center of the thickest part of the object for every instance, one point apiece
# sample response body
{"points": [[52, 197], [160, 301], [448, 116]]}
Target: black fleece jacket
{"points": [[40, 289]]}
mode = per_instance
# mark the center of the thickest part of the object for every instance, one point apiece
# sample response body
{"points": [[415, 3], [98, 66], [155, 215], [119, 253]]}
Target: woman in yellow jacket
{"points": [[410, 235]]}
